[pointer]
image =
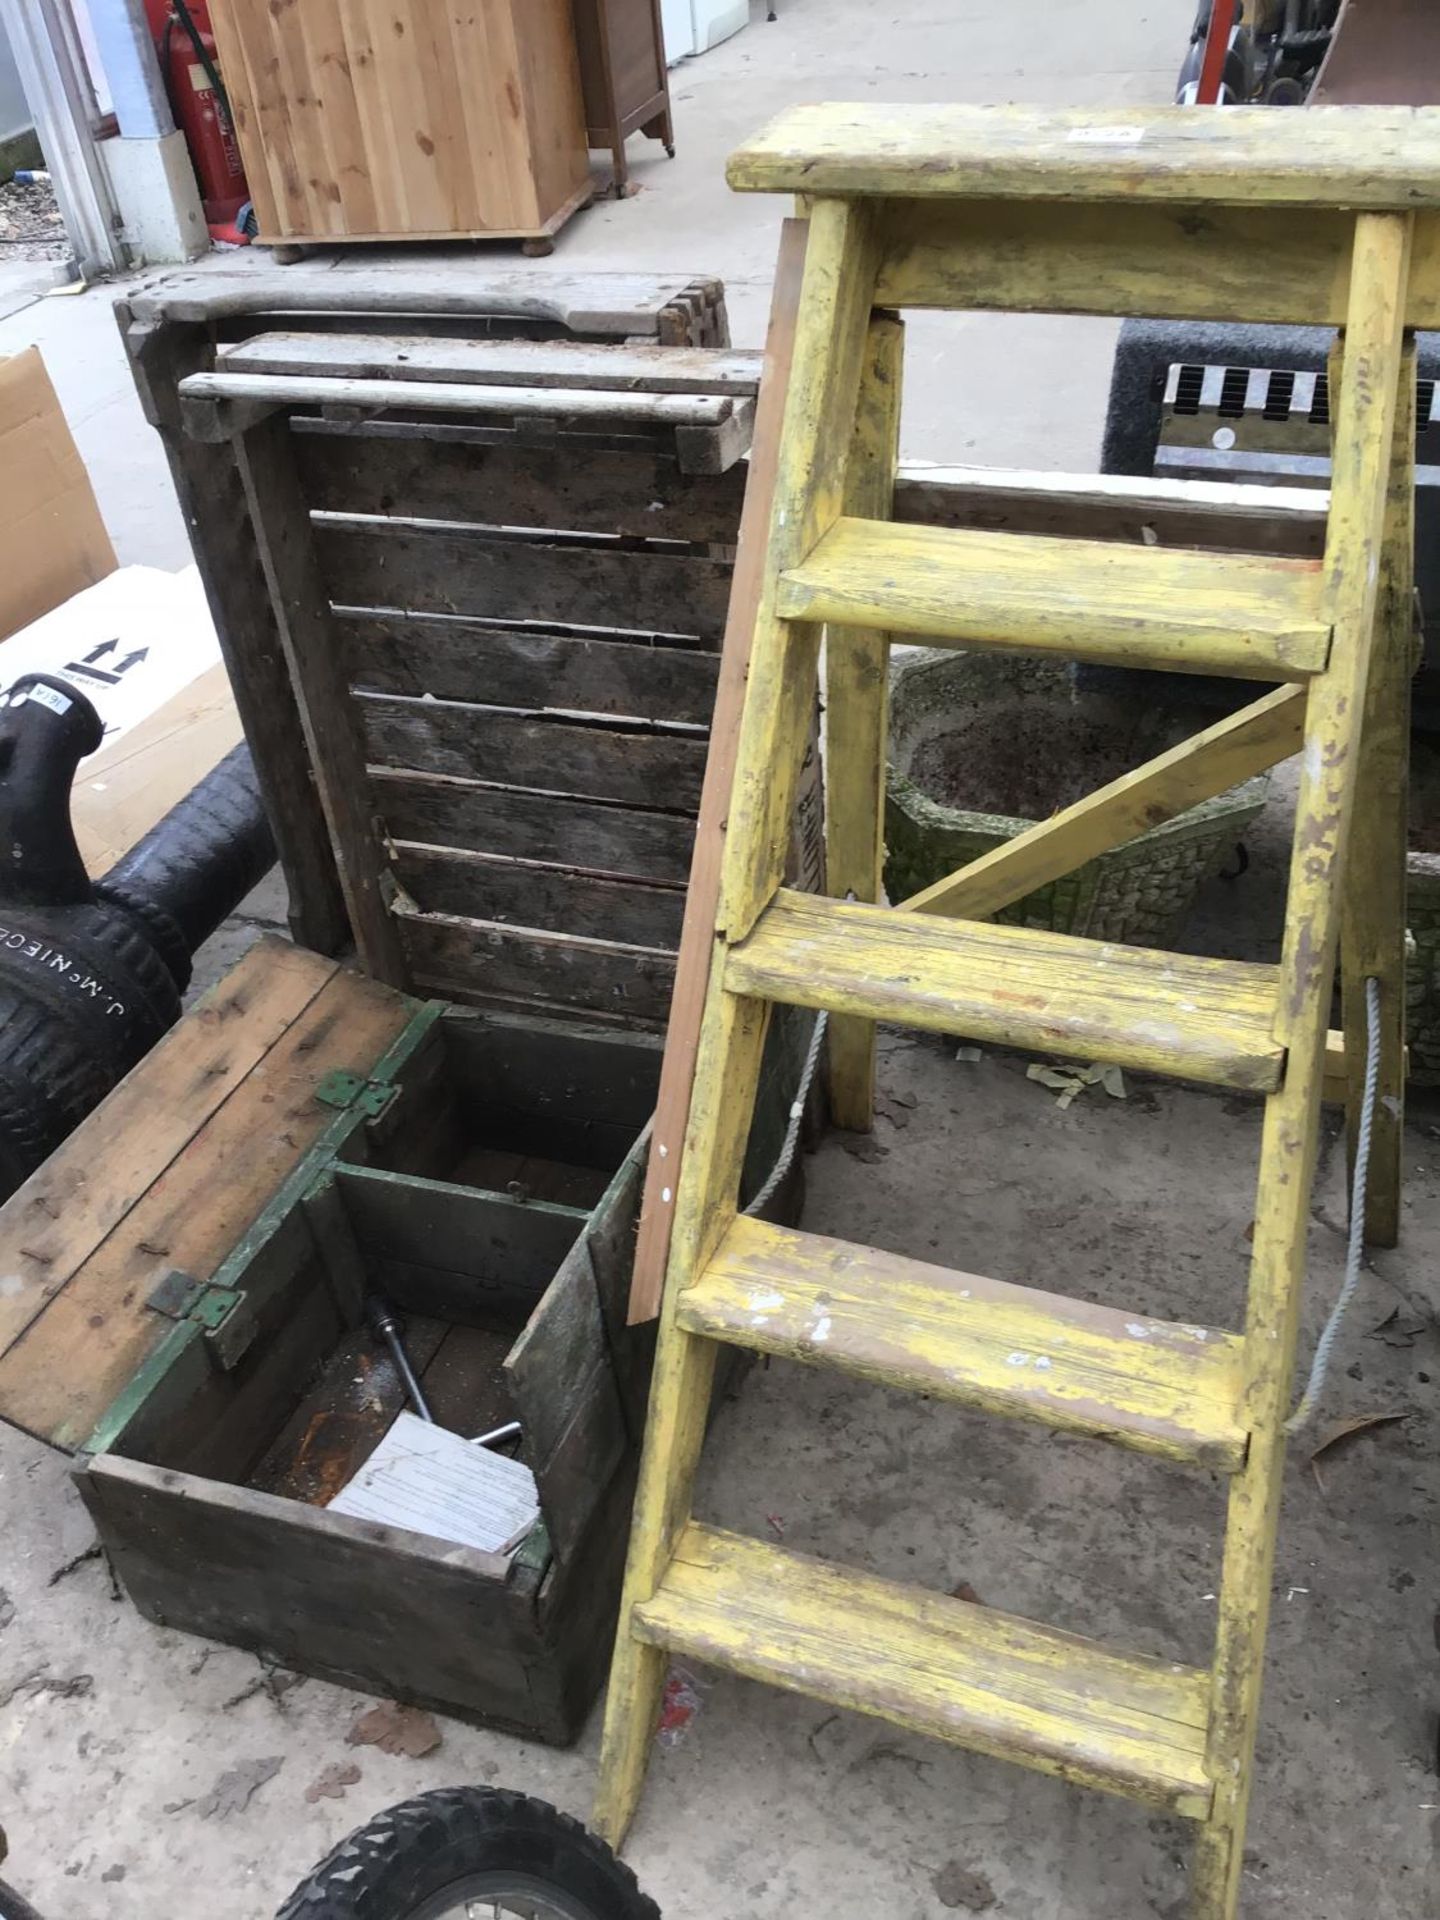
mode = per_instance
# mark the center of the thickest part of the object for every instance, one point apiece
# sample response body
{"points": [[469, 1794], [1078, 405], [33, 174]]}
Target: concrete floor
{"points": [[771, 1806]]}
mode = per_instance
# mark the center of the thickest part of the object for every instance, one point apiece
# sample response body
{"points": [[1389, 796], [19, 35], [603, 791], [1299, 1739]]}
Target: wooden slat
{"points": [[1114, 506], [520, 893], [57, 1380], [363, 1606], [327, 715], [692, 978], [472, 1258], [1372, 934], [1197, 1019], [943, 1667], [50, 1227], [527, 1084], [1009, 1350], [1234, 749], [602, 836], [776, 732], [205, 390], [563, 1382], [1363, 451], [484, 576], [1247, 615], [857, 714], [582, 485], [212, 499], [456, 659], [605, 306], [594, 760], [1352, 157], [1237, 263], [512, 363], [475, 960]]}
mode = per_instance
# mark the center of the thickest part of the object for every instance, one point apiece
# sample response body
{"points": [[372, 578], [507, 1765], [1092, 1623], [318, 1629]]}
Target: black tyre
{"points": [[12, 1907], [470, 1851]]}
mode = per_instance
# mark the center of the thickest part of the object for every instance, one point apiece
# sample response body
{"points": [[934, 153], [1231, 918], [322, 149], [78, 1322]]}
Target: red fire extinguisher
{"points": [[185, 44]]}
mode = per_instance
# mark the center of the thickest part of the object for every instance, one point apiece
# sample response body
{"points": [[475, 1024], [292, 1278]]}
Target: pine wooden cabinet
{"points": [[406, 119]]}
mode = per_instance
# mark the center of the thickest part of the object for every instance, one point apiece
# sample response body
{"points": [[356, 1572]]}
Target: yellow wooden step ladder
{"points": [[1327, 216]]}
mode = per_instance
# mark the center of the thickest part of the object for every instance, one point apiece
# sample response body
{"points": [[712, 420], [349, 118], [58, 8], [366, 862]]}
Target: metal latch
{"points": [[222, 1312], [351, 1092]]}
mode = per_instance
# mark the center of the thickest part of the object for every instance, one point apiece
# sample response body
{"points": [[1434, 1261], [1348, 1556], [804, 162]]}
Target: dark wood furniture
{"points": [[623, 77]]}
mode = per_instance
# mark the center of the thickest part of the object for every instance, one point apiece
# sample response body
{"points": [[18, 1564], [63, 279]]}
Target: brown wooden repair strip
{"points": [[692, 977]]}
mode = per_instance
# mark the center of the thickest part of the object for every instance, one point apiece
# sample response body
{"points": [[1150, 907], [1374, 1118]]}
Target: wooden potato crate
{"points": [[180, 324]]}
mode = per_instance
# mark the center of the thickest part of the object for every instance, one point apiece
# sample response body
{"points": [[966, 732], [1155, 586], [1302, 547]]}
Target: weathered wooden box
{"points": [[476, 1171], [193, 1269]]}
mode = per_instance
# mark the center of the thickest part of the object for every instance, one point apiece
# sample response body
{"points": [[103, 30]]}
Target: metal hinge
{"points": [[223, 1313], [355, 1093]]}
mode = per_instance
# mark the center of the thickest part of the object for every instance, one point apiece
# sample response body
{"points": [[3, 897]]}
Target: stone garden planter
{"points": [[984, 745]]}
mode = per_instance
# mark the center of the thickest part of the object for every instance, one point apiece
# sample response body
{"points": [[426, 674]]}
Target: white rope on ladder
{"points": [[791, 1141], [1355, 1244]]}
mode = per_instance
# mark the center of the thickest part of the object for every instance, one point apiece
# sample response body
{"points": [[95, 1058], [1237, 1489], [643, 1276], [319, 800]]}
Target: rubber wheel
{"points": [[507, 1856], [12, 1907]]}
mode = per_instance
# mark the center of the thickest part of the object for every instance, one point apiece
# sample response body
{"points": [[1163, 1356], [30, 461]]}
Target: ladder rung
{"points": [[1193, 1018], [1256, 616], [1149, 1384], [947, 1668]]}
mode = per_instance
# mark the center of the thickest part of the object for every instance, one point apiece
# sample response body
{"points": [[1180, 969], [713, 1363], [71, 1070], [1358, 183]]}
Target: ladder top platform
{"points": [[1357, 157]]}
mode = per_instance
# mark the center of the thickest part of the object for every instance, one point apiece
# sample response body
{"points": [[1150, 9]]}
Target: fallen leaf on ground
{"points": [[1398, 1330], [1070, 1082], [331, 1784], [237, 1787], [1339, 1430], [396, 1729], [957, 1886]]}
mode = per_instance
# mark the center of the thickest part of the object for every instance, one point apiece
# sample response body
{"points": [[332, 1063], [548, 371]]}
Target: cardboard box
{"points": [[52, 539], [168, 721], [141, 646]]}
